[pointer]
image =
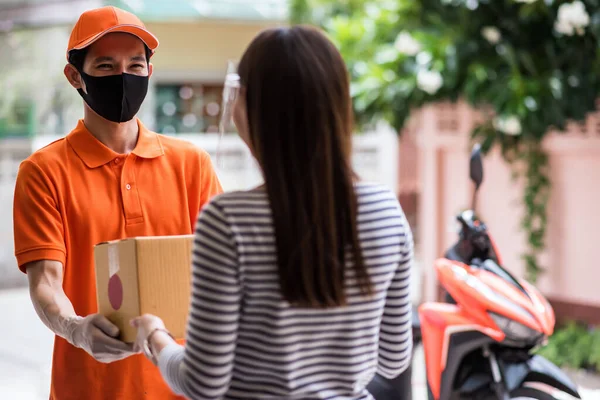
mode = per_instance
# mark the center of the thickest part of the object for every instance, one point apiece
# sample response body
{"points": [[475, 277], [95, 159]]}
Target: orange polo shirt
{"points": [[75, 193]]}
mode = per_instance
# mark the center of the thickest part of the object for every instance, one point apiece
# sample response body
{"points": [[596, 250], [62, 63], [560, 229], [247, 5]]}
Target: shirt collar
{"points": [[95, 154]]}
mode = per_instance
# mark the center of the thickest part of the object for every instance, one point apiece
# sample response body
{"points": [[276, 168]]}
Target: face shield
{"points": [[231, 90]]}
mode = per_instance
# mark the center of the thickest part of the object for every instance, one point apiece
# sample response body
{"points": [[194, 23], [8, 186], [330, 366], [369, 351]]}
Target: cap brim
{"points": [[144, 35]]}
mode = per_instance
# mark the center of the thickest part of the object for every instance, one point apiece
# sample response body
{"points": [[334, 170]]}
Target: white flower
{"points": [[508, 125], [525, 1], [491, 34], [572, 18], [406, 44], [429, 81]]}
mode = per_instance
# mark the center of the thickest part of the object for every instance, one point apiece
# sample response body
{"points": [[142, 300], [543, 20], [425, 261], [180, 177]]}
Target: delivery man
{"points": [[110, 178]]}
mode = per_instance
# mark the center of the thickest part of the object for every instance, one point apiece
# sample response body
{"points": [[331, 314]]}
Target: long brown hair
{"points": [[300, 125]]}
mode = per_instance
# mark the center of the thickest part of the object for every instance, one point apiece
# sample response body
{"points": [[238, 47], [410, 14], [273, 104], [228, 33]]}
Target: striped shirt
{"points": [[245, 342]]}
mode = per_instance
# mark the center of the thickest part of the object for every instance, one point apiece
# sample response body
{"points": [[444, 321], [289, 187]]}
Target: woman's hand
{"points": [[146, 324]]}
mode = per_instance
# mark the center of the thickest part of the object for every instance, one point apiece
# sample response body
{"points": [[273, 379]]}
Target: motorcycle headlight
{"points": [[515, 330]]}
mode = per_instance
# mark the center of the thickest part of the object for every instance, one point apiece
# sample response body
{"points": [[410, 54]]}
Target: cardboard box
{"points": [[145, 275]]}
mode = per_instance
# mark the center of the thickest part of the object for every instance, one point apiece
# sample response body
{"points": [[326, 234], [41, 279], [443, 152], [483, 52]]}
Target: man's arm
{"points": [[49, 300], [41, 253], [95, 334]]}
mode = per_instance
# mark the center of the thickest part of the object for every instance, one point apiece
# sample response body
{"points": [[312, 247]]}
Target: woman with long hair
{"points": [[300, 286]]}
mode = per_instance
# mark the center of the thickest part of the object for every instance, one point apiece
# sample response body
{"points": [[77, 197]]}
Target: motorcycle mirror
{"points": [[476, 166]]}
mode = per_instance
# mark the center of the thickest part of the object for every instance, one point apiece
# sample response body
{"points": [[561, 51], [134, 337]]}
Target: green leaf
{"points": [[544, 78]]}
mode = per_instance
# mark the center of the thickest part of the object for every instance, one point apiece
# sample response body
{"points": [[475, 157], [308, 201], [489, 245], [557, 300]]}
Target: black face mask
{"points": [[116, 98]]}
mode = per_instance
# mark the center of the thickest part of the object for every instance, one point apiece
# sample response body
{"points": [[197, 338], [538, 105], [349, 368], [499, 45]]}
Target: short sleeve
{"points": [[37, 221], [210, 185]]}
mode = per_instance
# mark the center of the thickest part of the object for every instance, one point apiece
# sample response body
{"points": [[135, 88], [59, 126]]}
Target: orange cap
{"points": [[94, 24]]}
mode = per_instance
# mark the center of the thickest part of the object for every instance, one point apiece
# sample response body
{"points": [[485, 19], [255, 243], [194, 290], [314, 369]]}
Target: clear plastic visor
{"points": [[231, 90]]}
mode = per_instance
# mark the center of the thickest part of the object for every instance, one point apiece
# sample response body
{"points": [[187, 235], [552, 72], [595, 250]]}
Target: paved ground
{"points": [[26, 348]]}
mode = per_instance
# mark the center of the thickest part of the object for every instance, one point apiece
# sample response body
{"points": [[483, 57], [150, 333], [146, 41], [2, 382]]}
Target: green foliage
{"points": [[34, 94], [512, 57], [574, 346]]}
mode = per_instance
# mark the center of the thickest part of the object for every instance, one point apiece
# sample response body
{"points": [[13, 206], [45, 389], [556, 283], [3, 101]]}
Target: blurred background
{"points": [[428, 78]]}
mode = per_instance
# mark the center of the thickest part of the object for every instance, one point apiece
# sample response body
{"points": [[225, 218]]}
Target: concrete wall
{"points": [[573, 215], [200, 50]]}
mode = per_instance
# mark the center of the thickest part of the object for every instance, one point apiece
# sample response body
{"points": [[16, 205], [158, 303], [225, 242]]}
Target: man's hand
{"points": [[98, 337], [95, 334]]}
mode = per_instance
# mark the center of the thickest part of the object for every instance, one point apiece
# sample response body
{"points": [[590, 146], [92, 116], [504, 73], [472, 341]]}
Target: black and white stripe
{"points": [[245, 342]]}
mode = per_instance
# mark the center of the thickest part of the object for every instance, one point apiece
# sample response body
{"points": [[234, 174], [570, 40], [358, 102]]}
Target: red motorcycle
{"points": [[479, 343]]}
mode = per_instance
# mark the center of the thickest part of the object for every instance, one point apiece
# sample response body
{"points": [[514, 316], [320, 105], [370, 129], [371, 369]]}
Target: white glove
{"points": [[97, 336]]}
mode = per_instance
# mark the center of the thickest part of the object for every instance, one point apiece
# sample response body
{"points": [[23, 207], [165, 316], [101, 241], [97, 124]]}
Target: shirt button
{"points": [[128, 186], [117, 160]]}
